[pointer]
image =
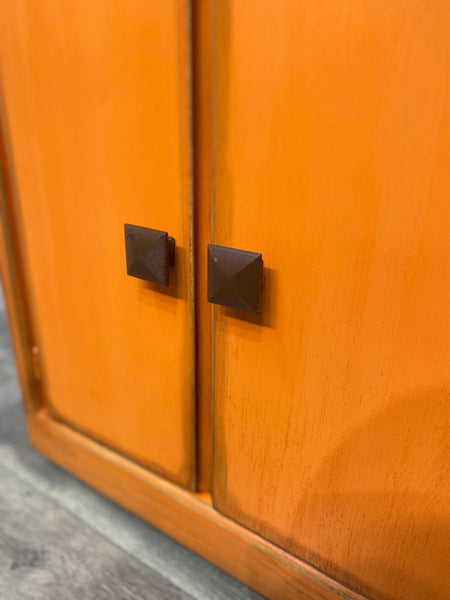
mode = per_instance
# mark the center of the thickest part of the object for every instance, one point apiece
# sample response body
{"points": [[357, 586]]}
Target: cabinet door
{"points": [[331, 408], [96, 101]]}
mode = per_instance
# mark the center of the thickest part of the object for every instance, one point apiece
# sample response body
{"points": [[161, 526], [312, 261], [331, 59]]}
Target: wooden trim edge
{"points": [[202, 131], [184, 516], [13, 285]]}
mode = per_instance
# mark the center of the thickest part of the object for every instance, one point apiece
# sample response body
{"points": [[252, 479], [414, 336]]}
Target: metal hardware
{"points": [[234, 278], [149, 253]]}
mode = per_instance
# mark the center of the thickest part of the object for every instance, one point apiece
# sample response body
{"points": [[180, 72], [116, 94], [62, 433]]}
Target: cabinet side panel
{"points": [[11, 282]]}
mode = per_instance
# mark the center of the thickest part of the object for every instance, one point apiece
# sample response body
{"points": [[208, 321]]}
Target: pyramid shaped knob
{"points": [[149, 253], [234, 278]]}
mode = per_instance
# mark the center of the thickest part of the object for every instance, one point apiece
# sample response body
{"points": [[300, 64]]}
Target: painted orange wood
{"points": [[187, 517], [202, 48], [11, 282], [96, 99], [332, 407]]}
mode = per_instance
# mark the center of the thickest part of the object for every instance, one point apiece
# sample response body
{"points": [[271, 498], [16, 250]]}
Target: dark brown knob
{"points": [[149, 253], [234, 278]]}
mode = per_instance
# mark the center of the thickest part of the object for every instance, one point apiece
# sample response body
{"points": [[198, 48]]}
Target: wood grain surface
{"points": [[96, 101], [332, 407]]}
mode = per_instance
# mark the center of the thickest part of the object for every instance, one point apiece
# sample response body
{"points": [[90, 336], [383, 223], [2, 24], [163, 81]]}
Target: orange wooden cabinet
{"points": [[315, 133]]}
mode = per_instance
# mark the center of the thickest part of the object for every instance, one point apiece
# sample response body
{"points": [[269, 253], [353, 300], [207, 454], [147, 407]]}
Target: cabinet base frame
{"points": [[184, 516]]}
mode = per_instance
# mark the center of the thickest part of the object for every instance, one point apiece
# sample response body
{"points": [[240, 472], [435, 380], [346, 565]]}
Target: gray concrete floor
{"points": [[60, 540]]}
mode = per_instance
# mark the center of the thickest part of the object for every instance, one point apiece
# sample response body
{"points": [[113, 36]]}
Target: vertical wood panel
{"points": [[332, 407], [96, 97]]}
